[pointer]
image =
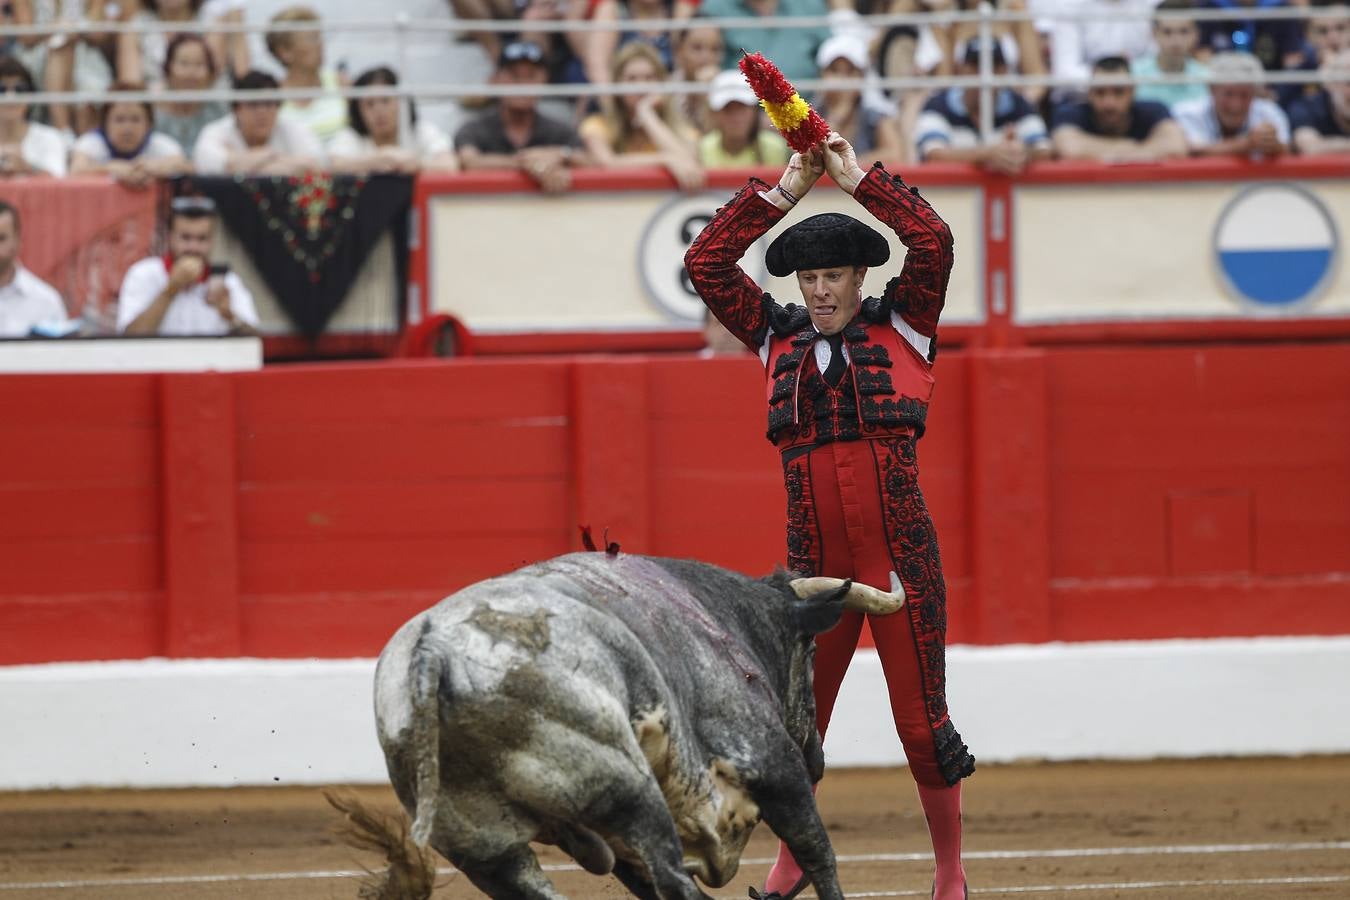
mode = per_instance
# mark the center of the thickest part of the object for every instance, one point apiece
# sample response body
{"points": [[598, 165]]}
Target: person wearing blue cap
{"points": [[848, 381], [515, 134]]}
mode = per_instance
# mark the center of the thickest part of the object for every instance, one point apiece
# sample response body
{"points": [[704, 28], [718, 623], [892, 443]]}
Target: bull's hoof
{"points": [[777, 895]]}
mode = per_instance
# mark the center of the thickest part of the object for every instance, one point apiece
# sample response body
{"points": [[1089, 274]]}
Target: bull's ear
{"points": [[821, 611]]}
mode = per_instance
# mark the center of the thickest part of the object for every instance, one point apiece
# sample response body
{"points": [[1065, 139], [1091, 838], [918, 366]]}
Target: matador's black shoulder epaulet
{"points": [[875, 311], [786, 320]]}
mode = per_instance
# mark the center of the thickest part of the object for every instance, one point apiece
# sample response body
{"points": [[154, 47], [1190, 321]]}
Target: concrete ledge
{"points": [[123, 354], [163, 723]]}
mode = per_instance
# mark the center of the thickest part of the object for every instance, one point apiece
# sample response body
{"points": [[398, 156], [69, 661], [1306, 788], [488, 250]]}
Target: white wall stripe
{"points": [[200, 723]]}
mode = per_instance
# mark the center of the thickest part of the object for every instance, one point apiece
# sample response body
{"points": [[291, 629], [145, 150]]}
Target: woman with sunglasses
{"points": [[26, 147]]}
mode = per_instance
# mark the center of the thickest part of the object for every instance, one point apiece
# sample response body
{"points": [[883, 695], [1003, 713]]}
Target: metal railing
{"points": [[404, 28]]}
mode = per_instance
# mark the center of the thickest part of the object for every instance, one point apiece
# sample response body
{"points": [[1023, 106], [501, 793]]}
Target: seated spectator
{"points": [[372, 141], [25, 300], [141, 55], [1276, 43], [230, 50], [793, 50], [26, 147], [1232, 120], [698, 58], [630, 16], [1176, 39], [565, 52], [1328, 33], [1112, 126], [252, 140], [73, 60], [940, 46], [515, 135], [739, 137], [182, 293], [1321, 123], [486, 10], [594, 49], [642, 129], [949, 130], [871, 129], [126, 146], [188, 66], [1075, 44], [301, 52]]}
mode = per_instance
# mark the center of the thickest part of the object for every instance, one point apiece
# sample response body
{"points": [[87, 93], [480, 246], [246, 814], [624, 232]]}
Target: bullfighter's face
{"points": [[832, 295]]}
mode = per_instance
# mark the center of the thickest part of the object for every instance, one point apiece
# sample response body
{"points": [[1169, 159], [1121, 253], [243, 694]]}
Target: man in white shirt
{"points": [[1232, 120], [253, 141], [181, 294], [25, 299]]}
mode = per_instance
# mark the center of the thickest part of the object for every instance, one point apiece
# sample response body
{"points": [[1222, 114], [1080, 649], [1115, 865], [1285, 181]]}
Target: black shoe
{"points": [[775, 895]]}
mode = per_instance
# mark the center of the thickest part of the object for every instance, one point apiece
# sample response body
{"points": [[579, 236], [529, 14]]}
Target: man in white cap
{"points": [[738, 136], [1232, 120], [864, 119]]}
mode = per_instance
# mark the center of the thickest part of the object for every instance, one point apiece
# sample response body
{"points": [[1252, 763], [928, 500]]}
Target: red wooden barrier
{"points": [[1080, 494]]}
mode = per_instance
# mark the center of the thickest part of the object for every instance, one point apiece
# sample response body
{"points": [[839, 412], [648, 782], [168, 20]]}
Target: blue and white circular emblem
{"points": [[1275, 245]]}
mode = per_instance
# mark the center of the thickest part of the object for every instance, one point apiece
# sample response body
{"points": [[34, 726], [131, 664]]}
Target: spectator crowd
{"points": [[1101, 118]]}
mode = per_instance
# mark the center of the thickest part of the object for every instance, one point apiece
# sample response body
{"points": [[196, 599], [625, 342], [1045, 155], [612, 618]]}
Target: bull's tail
{"points": [[411, 874], [425, 673]]}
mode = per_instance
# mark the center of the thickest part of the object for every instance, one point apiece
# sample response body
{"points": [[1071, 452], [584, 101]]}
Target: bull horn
{"points": [[861, 597]]}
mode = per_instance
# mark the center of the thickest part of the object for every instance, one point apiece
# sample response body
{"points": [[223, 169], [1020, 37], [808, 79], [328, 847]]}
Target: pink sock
{"points": [[785, 873], [942, 809]]}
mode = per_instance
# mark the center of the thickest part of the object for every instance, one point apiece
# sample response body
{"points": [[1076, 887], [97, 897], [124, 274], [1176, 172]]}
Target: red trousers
{"points": [[855, 511]]}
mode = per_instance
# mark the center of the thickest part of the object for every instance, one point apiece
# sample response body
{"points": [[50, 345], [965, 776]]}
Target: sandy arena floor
{"points": [[1232, 829]]}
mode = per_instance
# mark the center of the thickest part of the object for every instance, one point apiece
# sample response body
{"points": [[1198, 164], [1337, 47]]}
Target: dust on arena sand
{"points": [[1199, 830]]}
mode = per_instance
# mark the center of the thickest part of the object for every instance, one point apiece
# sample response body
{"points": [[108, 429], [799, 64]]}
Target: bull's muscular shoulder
{"points": [[785, 320]]}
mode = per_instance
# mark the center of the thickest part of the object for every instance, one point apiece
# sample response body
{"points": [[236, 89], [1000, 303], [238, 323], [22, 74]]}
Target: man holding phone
{"points": [[182, 293]]}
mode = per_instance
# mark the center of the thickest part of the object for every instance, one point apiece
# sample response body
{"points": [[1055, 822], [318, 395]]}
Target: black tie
{"points": [[834, 372]]}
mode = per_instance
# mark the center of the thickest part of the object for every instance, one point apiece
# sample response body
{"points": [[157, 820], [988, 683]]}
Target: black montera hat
{"points": [[823, 241]]}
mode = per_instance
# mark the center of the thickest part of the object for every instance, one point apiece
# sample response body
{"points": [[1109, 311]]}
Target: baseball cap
{"points": [[520, 51], [843, 46], [1232, 64], [729, 87]]}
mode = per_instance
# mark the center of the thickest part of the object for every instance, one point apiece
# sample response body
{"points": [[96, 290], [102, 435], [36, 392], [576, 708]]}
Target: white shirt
{"points": [[427, 141], [95, 149], [1201, 125], [189, 313], [221, 138], [27, 301], [45, 148], [324, 116], [1076, 45]]}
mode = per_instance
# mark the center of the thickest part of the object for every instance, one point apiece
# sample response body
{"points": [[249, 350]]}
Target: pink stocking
{"points": [[942, 809], [785, 873]]}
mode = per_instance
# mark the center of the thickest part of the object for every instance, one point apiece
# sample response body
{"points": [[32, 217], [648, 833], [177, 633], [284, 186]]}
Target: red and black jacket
{"points": [[891, 383]]}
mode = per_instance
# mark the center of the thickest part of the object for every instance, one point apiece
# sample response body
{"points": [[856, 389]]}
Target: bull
{"points": [[642, 714]]}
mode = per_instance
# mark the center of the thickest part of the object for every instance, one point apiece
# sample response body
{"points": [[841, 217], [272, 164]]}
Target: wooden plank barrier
{"points": [[1148, 492]]}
